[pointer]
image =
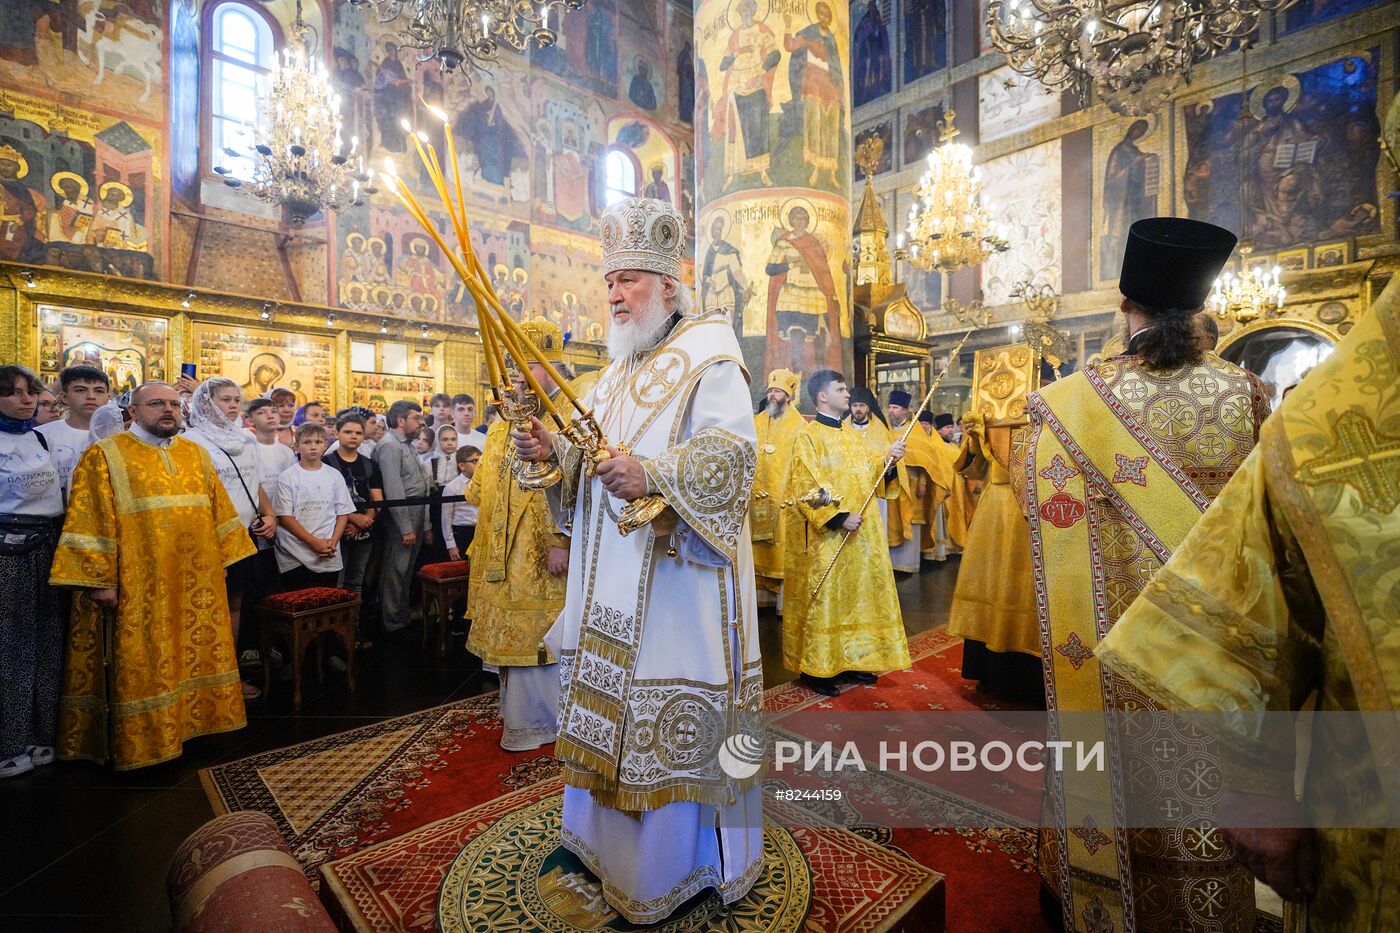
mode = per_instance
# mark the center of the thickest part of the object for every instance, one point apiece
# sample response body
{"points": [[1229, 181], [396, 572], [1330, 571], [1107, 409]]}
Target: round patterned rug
{"points": [[517, 876]]}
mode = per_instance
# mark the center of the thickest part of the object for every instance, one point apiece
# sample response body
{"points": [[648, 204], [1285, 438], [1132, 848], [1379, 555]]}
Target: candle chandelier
{"points": [[949, 226], [299, 159], [1248, 296], [468, 32], [1133, 52]]}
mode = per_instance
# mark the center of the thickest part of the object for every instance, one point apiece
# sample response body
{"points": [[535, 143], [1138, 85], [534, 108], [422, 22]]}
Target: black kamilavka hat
{"points": [[1173, 262]]}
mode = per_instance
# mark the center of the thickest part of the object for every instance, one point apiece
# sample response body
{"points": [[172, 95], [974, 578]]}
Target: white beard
{"points": [[776, 409], [642, 332]]}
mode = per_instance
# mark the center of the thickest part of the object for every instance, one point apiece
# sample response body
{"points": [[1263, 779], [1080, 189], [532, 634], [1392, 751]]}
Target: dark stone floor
{"points": [[87, 848]]}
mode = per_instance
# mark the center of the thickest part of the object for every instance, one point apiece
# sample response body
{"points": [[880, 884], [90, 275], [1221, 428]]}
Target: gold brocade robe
{"points": [[900, 509], [854, 624], [949, 493], [156, 524], [994, 600], [1119, 463], [514, 598], [1286, 586], [775, 437]]}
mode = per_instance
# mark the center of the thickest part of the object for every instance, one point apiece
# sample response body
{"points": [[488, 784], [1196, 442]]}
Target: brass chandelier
{"points": [[1134, 53], [949, 226], [468, 32], [300, 161], [1249, 295]]}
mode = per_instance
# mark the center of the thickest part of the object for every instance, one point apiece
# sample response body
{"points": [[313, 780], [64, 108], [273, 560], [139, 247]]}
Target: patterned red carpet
{"points": [[344, 793]]}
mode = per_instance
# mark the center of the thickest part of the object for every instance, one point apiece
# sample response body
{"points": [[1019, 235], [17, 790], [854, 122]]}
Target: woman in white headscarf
{"points": [[108, 420], [216, 424]]}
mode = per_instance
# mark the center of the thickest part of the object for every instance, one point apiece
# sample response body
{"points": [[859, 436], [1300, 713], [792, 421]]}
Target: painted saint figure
{"points": [[656, 188], [748, 66], [814, 73], [872, 56], [1129, 194], [803, 308], [723, 283]]}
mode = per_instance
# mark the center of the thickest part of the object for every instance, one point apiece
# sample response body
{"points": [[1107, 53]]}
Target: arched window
{"points": [[241, 46], [621, 174]]}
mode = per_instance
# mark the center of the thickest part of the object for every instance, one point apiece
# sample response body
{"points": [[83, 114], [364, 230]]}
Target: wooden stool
{"points": [[445, 584], [301, 617]]}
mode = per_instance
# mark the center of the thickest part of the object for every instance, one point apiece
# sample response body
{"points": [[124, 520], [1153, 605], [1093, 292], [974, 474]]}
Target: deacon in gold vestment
{"points": [[776, 424], [519, 569], [951, 503], [1121, 460], [149, 531], [1289, 585], [854, 625], [897, 512], [994, 600]]}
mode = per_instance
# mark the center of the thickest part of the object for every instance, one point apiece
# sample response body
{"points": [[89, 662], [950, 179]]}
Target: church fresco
{"points": [[1025, 192], [643, 81], [1010, 102], [774, 175], [872, 71], [567, 283], [586, 53], [1290, 161], [1312, 12], [80, 191], [779, 267], [925, 37], [921, 133], [1131, 181], [777, 101], [108, 50]]}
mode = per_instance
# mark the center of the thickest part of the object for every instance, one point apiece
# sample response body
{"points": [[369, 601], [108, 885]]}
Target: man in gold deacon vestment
{"points": [[776, 424], [148, 534], [1121, 460], [897, 512], [520, 562], [659, 663], [853, 626], [951, 503], [1286, 586], [994, 602]]}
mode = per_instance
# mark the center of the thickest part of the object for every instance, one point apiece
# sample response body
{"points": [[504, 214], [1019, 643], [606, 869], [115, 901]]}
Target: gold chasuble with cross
{"points": [[156, 524], [1289, 585], [514, 599], [1119, 462]]}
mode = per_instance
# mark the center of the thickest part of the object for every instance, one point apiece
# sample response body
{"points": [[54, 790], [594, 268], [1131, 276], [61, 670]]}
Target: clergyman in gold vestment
{"points": [[520, 562], [149, 530], [854, 625], [1121, 460], [993, 606], [896, 510], [1289, 585], [776, 424]]}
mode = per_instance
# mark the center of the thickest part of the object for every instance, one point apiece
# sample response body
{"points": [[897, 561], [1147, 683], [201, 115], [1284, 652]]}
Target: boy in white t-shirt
{"points": [[273, 457], [82, 389], [312, 507]]}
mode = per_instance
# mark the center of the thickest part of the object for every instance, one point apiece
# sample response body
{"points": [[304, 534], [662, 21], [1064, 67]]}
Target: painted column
{"points": [[773, 178]]}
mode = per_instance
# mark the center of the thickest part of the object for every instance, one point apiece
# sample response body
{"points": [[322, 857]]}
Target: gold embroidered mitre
{"points": [[643, 233], [547, 337], [784, 379]]}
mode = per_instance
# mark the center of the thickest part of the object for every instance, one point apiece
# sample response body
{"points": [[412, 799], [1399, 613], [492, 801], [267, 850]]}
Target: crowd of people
{"points": [[289, 497], [1086, 580]]}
